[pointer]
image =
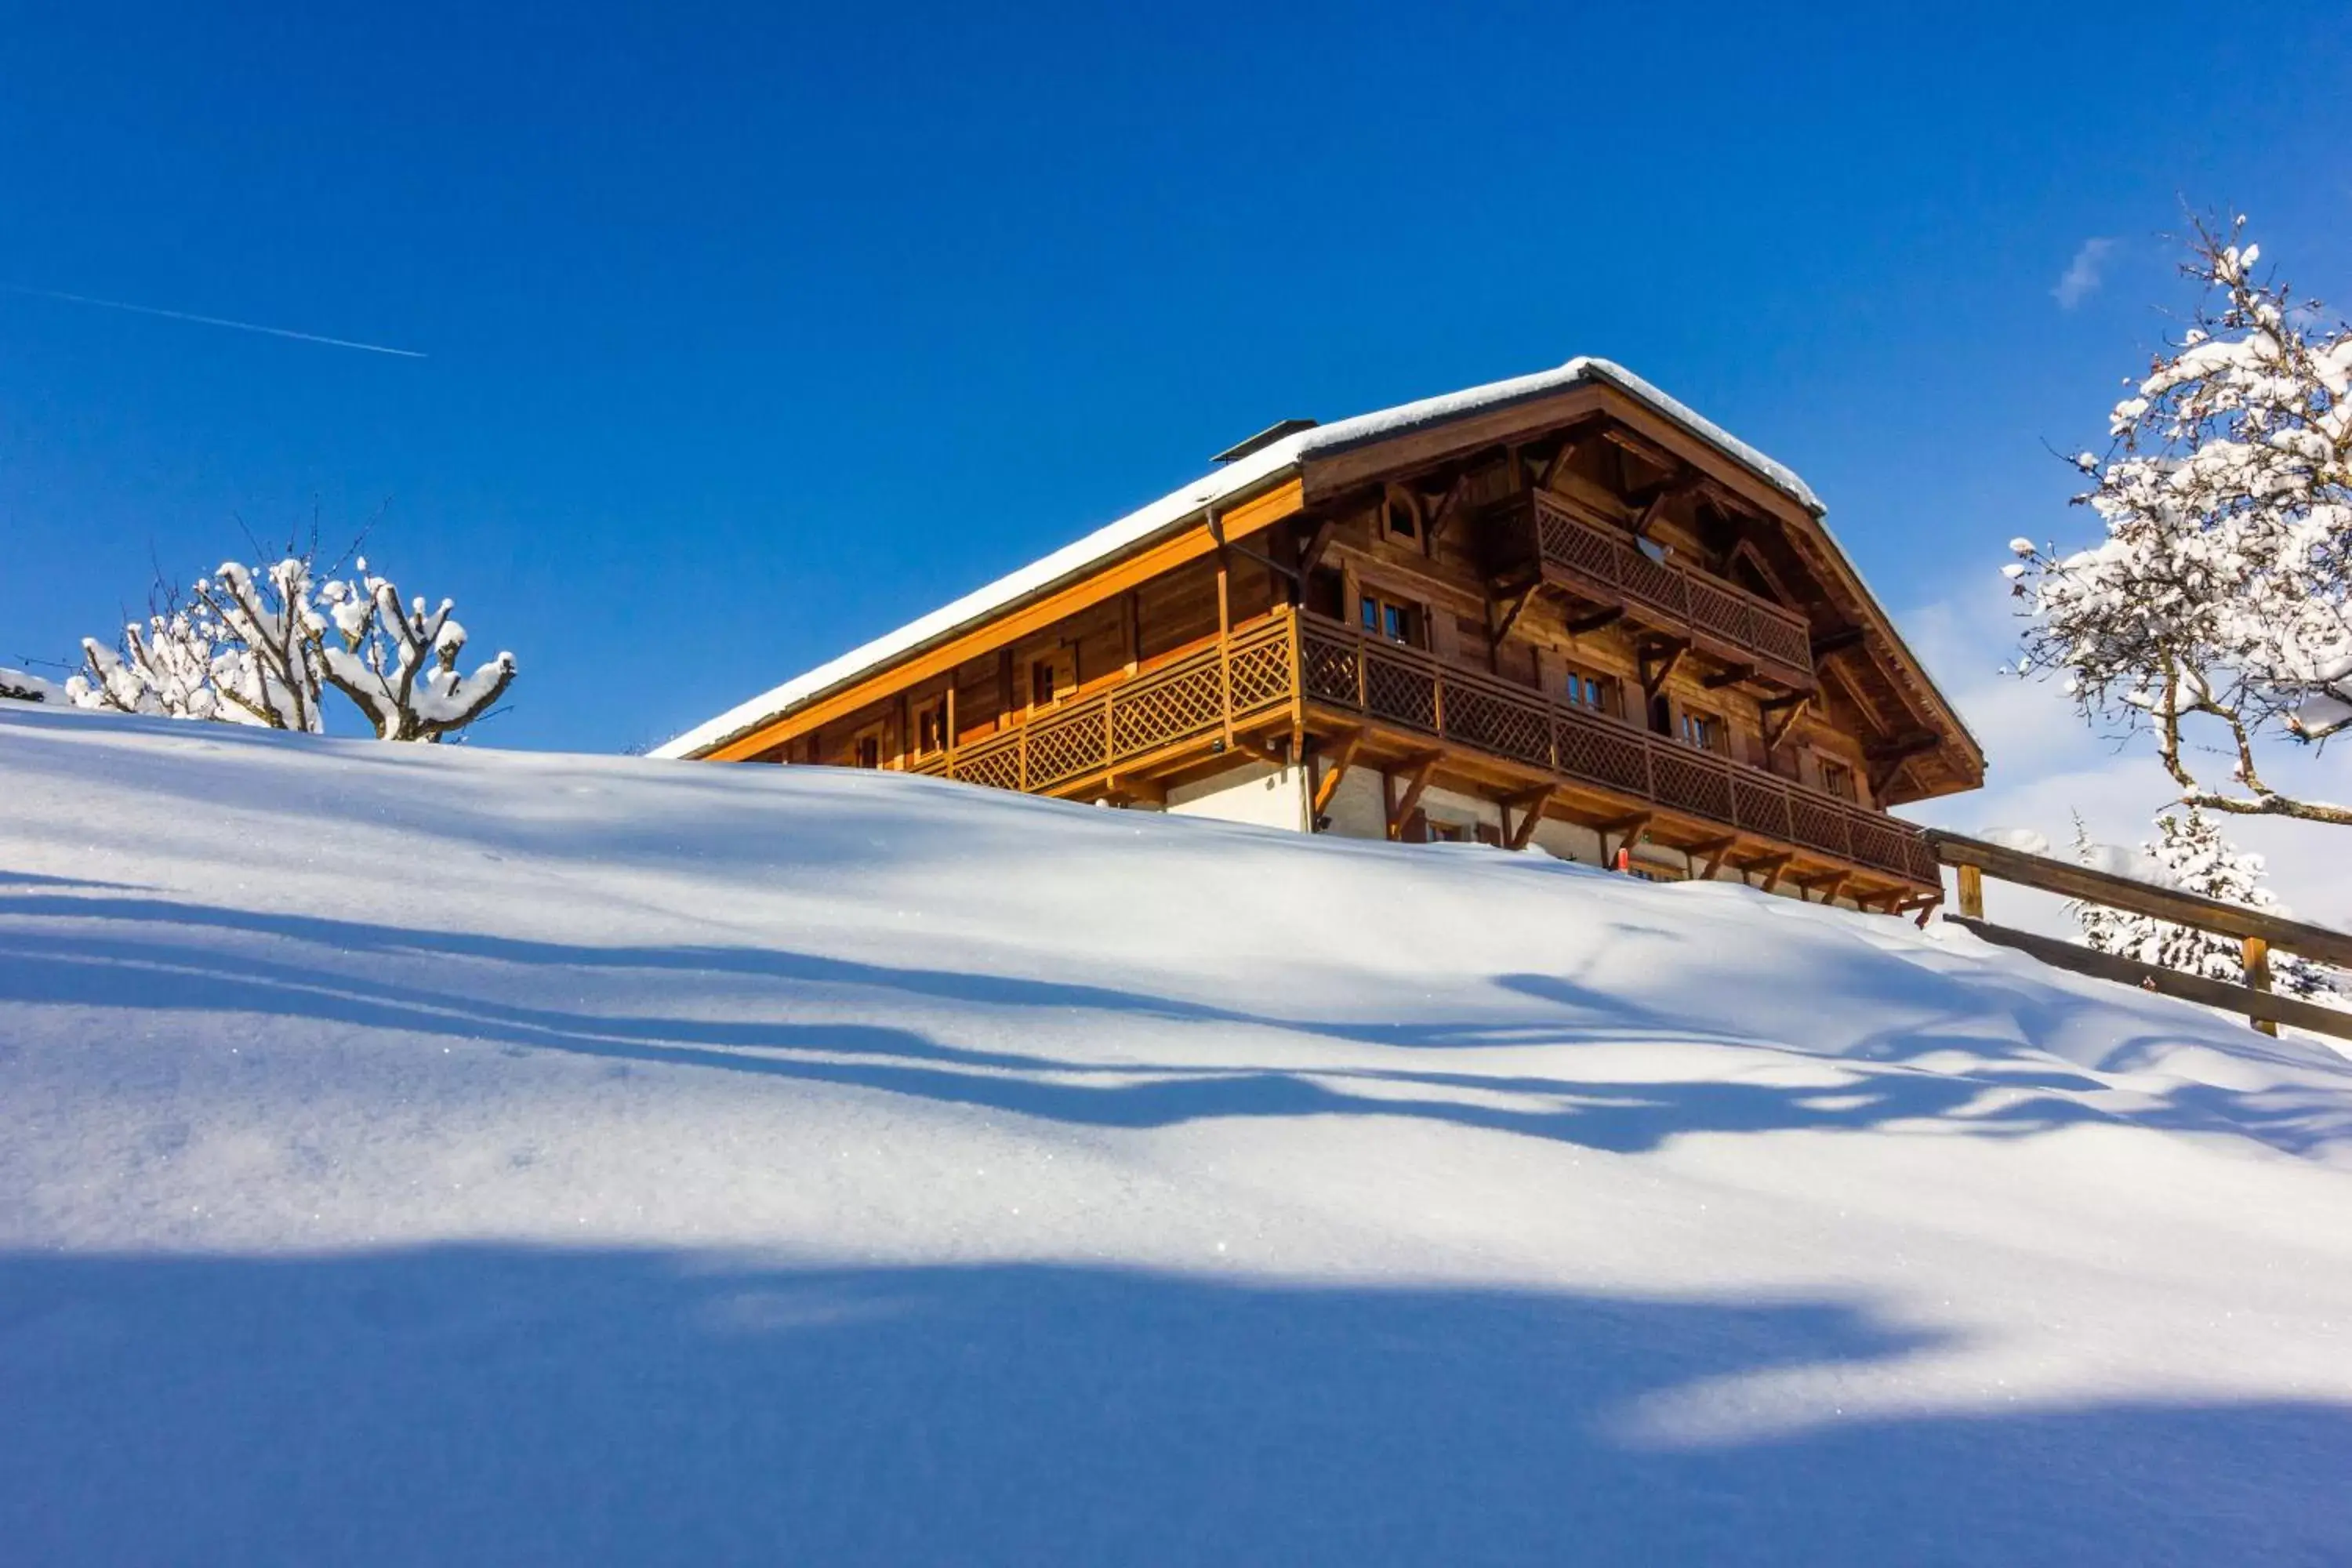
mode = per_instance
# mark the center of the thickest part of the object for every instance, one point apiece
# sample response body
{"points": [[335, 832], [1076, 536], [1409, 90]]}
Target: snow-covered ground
{"points": [[434, 1155]]}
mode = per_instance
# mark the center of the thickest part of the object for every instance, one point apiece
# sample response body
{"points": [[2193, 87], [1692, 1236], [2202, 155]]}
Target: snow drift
{"points": [[426, 1154]]}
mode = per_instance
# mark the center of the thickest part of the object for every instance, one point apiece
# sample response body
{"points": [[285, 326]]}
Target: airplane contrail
{"points": [[209, 321]]}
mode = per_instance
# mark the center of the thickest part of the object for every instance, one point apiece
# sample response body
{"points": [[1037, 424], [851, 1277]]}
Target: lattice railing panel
{"points": [[1818, 825], [1595, 750], [1784, 638], [1759, 805], [1329, 669], [1685, 783], [1720, 611], [999, 768], [1064, 747], [1653, 581], [1499, 725], [1261, 676], [1400, 692], [1191, 703], [1684, 597], [1882, 844]]}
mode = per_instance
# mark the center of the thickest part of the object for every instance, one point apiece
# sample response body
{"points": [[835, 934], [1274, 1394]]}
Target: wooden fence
{"points": [[2257, 933]]}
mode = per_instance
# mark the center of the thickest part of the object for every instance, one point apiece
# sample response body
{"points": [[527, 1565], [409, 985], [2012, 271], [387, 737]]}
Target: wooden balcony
{"points": [[1295, 668], [1341, 669], [1604, 566], [1181, 706]]}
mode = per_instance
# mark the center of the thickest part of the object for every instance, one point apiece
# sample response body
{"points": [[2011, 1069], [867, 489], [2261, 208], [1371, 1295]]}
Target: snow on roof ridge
{"points": [[1206, 490]]}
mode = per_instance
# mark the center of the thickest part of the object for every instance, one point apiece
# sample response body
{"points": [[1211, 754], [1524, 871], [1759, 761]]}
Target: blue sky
{"points": [[749, 336]]}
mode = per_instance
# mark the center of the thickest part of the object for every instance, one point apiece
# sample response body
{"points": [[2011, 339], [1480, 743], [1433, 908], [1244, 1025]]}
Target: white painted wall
{"points": [[1253, 792]]}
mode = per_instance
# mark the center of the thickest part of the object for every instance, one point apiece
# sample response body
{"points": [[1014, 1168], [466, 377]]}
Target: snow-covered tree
{"points": [[268, 668], [400, 667], [2220, 599], [2189, 854], [261, 648], [163, 667]]}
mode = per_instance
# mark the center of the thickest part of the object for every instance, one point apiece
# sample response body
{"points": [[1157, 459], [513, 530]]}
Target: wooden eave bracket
{"points": [[1781, 715], [1631, 828], [1310, 552], [1714, 849], [1681, 485], [1499, 629], [1447, 507], [1733, 675], [1531, 803], [1337, 769], [1667, 653], [1770, 865], [1400, 811]]}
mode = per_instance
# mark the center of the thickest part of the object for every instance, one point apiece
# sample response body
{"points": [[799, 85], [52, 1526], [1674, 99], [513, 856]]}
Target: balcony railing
{"points": [[1189, 700], [1291, 658], [1608, 566], [1409, 688]]}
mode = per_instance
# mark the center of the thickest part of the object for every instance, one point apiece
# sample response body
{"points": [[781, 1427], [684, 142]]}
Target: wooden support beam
{"points": [[1839, 641], [1630, 829], [1714, 849], [1531, 808], [1731, 677], [1400, 811], [1511, 611], [1667, 655], [1656, 507], [1448, 505], [1335, 770], [1562, 455], [1596, 620], [1826, 883], [1770, 865], [1310, 552], [1781, 715]]}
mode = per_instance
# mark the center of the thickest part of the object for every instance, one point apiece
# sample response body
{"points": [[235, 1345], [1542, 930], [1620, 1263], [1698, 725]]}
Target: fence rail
{"points": [[2258, 934]]}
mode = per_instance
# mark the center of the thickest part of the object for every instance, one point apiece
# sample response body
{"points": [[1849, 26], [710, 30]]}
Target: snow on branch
{"points": [[262, 648], [2221, 598], [400, 667], [2189, 854]]}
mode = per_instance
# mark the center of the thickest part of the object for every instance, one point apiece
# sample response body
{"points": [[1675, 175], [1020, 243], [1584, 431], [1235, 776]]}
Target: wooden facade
{"points": [[1573, 620]]}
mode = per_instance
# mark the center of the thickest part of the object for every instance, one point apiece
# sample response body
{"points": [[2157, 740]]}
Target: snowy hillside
{"points": [[433, 1155]]}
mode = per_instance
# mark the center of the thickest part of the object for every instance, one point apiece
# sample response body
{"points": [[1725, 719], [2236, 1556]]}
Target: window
{"points": [[1597, 692], [1400, 521], [866, 751], [1838, 779], [1704, 731], [1040, 682], [932, 728], [1391, 619], [1448, 833]]}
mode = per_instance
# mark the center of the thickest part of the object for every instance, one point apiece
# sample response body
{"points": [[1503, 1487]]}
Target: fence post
{"points": [[1973, 892], [2258, 977]]}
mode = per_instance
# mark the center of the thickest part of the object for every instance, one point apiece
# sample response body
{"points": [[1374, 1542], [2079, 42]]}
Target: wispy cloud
{"points": [[209, 321], [2083, 274]]}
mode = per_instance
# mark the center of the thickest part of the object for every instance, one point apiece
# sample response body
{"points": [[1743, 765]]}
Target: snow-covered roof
{"points": [[1178, 505]]}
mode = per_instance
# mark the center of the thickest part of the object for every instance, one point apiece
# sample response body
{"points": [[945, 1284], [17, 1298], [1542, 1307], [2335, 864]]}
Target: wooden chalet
{"points": [[1561, 611]]}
